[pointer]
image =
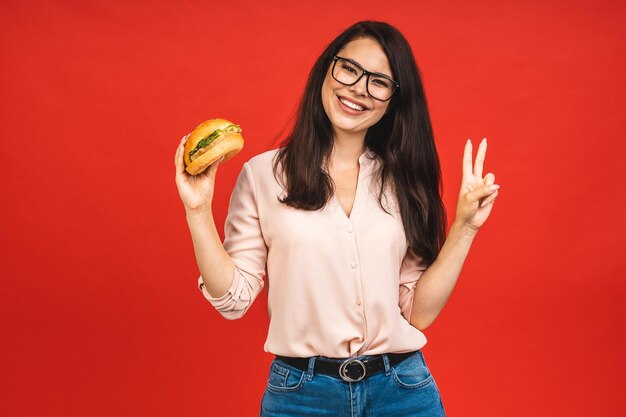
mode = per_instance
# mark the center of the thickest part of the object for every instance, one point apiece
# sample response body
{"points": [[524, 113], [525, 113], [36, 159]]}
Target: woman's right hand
{"points": [[196, 191]]}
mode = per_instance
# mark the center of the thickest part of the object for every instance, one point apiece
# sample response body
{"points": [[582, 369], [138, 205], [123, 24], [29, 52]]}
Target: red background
{"points": [[101, 314]]}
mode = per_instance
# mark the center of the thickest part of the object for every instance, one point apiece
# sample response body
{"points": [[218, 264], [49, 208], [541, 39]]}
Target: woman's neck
{"points": [[347, 148]]}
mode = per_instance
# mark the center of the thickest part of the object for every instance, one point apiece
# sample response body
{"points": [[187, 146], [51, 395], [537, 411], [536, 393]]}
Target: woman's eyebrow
{"points": [[373, 72]]}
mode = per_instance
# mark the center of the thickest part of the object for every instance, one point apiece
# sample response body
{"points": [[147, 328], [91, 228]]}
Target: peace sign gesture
{"points": [[477, 193]]}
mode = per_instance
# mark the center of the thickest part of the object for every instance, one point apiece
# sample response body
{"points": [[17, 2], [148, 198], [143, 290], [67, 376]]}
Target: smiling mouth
{"points": [[351, 105]]}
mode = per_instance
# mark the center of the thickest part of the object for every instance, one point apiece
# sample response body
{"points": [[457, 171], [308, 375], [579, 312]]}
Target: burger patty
{"points": [[199, 152]]}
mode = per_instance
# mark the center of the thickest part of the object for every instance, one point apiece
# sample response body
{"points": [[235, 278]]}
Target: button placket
{"points": [[354, 264]]}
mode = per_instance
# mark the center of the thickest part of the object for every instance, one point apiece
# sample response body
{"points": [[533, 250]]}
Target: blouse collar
{"points": [[366, 158]]}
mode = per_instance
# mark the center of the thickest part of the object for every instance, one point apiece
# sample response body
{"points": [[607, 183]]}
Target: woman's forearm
{"points": [[437, 282], [215, 265]]}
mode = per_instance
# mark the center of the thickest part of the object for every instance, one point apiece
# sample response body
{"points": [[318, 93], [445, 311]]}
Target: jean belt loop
{"points": [[309, 372], [386, 363]]}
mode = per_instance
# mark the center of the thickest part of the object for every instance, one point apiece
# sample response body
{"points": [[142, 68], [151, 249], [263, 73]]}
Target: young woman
{"points": [[347, 222]]}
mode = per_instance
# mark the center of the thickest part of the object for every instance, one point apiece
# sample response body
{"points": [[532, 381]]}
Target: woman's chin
{"points": [[348, 128]]}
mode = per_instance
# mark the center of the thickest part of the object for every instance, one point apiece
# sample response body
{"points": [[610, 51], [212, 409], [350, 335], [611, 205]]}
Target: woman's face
{"points": [[337, 98]]}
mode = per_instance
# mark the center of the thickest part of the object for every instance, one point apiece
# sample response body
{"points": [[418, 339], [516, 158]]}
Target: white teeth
{"points": [[351, 105]]}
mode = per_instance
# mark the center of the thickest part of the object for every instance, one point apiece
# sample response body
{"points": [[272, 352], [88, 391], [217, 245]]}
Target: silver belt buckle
{"points": [[343, 370]]}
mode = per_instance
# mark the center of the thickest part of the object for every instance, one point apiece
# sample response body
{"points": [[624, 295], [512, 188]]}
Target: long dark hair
{"points": [[403, 139]]}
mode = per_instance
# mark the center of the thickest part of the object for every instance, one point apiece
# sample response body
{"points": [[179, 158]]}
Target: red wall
{"points": [[101, 315]]}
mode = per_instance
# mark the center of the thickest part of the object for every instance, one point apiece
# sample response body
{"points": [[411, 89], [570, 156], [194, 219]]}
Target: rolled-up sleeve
{"points": [[246, 246], [411, 270]]}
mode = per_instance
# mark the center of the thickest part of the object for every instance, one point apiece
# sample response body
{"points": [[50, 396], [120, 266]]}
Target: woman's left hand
{"points": [[477, 193]]}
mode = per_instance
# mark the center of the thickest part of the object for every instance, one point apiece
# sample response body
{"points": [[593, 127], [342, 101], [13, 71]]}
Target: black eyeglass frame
{"points": [[367, 74]]}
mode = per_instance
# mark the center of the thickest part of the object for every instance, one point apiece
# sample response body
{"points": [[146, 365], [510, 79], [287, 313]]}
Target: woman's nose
{"points": [[360, 87]]}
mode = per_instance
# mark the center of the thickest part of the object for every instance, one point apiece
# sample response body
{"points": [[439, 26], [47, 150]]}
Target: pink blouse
{"points": [[338, 286]]}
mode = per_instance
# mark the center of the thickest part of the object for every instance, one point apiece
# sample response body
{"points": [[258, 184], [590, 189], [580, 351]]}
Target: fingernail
{"points": [[494, 187]]}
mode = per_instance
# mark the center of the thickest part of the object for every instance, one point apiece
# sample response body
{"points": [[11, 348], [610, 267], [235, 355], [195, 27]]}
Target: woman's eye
{"points": [[349, 68], [381, 83]]}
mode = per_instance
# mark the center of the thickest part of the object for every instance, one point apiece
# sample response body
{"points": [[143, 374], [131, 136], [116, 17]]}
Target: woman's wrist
{"points": [[463, 229], [199, 212]]}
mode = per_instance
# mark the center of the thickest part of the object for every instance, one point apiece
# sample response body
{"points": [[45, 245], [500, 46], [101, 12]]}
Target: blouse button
{"points": [[358, 301], [350, 229], [353, 264]]}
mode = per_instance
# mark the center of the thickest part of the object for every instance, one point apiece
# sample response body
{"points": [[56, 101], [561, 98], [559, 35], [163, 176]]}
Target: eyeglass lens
{"points": [[348, 73]]}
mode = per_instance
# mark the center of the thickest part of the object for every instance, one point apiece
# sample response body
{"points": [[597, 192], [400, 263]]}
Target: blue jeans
{"points": [[404, 390]]}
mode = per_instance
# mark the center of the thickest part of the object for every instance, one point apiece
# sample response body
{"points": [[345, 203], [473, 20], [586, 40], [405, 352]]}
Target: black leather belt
{"points": [[351, 369]]}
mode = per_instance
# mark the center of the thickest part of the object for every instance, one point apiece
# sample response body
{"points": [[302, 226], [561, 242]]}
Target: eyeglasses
{"points": [[348, 72]]}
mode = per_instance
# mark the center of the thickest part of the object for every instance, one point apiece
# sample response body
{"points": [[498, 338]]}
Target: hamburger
{"points": [[209, 141]]}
